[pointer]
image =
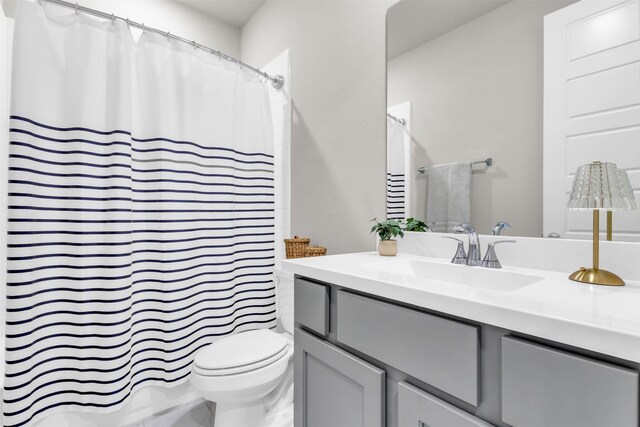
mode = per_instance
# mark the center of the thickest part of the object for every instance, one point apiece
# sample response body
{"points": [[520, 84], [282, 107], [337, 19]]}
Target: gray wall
{"points": [[338, 125], [476, 92]]}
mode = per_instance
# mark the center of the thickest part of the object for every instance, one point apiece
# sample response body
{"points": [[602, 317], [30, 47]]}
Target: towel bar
{"points": [[488, 161]]}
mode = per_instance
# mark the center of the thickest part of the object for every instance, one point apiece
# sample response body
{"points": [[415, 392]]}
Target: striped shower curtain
{"points": [[141, 212], [395, 170]]}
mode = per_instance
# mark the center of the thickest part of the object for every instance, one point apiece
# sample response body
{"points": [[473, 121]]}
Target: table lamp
{"points": [[600, 186]]}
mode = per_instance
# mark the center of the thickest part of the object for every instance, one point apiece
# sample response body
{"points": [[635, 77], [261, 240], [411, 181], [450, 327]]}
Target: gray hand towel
{"points": [[449, 196]]}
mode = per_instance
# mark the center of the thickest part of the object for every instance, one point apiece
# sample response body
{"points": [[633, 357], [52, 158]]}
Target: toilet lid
{"points": [[246, 348]]}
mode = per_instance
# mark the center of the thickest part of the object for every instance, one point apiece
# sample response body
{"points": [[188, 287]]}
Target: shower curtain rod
{"points": [[276, 81], [401, 121]]}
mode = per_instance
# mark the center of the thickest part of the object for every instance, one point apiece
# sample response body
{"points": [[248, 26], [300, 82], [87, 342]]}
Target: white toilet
{"points": [[250, 375]]}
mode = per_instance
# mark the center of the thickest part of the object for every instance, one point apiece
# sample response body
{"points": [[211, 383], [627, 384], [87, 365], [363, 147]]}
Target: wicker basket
{"points": [[295, 247], [315, 251]]}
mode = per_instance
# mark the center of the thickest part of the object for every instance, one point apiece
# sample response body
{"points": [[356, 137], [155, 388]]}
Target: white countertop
{"points": [[597, 318]]}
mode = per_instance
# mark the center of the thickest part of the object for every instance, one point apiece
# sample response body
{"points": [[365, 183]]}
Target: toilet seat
{"points": [[240, 353], [239, 369]]}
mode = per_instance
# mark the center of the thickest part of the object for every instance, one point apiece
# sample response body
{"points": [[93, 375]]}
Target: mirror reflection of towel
{"points": [[449, 196]]}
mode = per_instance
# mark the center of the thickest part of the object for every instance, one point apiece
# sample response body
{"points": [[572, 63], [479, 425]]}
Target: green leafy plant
{"points": [[414, 224], [388, 229]]}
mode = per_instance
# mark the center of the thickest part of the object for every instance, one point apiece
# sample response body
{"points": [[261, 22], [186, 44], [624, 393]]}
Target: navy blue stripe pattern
{"points": [[395, 196], [126, 255]]}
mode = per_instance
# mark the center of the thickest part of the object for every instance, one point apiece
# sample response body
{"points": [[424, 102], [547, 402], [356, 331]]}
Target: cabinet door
{"points": [[543, 387], [418, 408], [334, 388]]}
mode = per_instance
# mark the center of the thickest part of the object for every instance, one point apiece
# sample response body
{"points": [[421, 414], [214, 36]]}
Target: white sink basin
{"points": [[480, 277]]}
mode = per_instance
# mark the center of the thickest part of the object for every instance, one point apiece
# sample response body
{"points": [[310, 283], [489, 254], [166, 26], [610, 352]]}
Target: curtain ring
{"points": [[143, 29], [193, 42], [128, 22], [76, 8], [168, 36], [113, 19]]}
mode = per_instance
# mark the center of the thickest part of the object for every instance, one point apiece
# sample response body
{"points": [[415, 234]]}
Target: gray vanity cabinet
{"points": [[542, 386], [361, 360], [334, 388]]}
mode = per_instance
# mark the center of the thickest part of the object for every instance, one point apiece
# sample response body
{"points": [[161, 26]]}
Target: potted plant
{"points": [[387, 230], [414, 224]]}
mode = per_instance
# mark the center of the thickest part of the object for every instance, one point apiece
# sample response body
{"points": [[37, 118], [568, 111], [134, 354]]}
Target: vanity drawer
{"points": [[419, 408], [438, 351], [542, 386], [311, 305]]}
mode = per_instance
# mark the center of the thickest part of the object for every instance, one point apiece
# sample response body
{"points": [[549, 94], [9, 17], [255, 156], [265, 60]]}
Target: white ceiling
{"points": [[411, 23], [232, 12]]}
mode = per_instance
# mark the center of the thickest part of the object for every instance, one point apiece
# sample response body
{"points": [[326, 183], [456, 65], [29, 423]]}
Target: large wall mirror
{"points": [[493, 104]]}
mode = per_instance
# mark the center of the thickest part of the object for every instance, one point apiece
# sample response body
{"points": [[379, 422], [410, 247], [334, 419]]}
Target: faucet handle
{"points": [[490, 259], [497, 229], [460, 257]]}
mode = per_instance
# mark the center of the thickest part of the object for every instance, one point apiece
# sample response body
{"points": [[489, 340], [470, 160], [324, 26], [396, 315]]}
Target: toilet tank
{"points": [[284, 299]]}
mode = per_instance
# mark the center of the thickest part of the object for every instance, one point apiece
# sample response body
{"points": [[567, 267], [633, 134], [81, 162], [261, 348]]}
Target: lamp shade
{"points": [[601, 185]]}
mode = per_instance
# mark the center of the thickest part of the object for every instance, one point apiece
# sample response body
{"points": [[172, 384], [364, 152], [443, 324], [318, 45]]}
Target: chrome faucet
{"points": [[473, 255], [497, 229]]}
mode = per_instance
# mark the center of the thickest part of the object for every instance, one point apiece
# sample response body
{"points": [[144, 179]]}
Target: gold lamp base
{"points": [[596, 276]]}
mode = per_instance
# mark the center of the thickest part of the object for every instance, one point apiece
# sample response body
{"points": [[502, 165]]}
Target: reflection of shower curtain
{"points": [[141, 212], [395, 170]]}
